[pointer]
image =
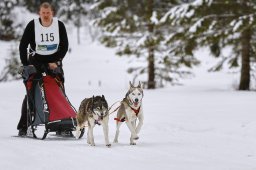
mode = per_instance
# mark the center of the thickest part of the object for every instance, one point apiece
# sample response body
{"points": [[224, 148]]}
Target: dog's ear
{"points": [[139, 86], [126, 95], [103, 97], [92, 102], [131, 85]]}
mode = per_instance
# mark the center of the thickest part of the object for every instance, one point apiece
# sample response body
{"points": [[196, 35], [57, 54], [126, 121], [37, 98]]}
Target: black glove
{"points": [[27, 71]]}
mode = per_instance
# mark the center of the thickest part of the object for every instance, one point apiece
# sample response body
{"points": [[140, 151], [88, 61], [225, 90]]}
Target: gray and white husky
{"points": [[130, 111], [93, 111]]}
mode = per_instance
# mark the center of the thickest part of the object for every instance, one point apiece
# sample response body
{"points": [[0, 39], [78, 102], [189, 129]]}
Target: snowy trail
{"points": [[199, 126]]}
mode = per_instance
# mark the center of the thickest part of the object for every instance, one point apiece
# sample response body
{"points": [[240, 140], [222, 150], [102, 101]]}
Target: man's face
{"points": [[46, 14]]}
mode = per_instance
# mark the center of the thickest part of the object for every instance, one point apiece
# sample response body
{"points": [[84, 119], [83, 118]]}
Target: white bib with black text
{"points": [[47, 38]]}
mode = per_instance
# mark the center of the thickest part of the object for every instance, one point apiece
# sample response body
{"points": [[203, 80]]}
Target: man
{"points": [[46, 41]]}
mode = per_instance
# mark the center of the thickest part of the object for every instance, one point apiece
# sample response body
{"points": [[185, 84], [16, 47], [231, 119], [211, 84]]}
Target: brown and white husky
{"points": [[130, 111]]}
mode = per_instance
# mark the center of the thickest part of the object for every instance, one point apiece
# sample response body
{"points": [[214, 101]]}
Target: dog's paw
{"points": [[77, 136], [108, 145], [78, 133], [115, 141], [91, 144], [132, 143]]}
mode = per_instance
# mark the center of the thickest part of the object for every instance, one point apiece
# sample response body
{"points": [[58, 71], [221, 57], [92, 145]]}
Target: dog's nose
{"points": [[101, 116], [136, 100]]}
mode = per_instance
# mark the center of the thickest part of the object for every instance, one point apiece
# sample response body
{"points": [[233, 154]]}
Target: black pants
{"points": [[23, 123], [25, 118]]}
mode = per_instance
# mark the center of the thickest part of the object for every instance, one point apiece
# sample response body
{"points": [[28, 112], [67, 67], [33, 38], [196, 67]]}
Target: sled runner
{"points": [[46, 105]]}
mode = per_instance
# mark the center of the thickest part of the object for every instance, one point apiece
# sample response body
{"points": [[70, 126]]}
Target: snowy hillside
{"points": [[202, 125]]}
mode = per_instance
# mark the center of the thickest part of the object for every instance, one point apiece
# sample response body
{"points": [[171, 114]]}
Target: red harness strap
{"points": [[118, 120], [123, 119], [136, 110]]}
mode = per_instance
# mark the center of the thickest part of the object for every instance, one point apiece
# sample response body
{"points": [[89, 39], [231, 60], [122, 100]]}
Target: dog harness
{"points": [[97, 122], [118, 120], [136, 111]]}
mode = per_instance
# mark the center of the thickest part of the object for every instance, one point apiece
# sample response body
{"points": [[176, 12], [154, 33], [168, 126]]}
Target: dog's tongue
{"points": [[135, 104]]}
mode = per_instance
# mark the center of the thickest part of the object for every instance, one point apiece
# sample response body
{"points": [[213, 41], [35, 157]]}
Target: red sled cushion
{"points": [[58, 105]]}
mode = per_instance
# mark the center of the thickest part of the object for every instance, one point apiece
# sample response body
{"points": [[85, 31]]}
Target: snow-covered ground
{"points": [[202, 125]]}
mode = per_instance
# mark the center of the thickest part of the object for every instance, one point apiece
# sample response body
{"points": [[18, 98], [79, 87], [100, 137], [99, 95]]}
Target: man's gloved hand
{"points": [[26, 71]]}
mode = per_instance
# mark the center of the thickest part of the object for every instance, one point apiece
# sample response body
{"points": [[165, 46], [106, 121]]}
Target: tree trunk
{"points": [[151, 69], [151, 59], [78, 29], [245, 69], [78, 35]]}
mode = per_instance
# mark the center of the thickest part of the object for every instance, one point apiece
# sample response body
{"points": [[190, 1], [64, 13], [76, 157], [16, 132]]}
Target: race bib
{"points": [[47, 38]]}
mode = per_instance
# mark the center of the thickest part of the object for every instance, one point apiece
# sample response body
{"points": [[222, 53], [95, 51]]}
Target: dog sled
{"points": [[46, 105]]}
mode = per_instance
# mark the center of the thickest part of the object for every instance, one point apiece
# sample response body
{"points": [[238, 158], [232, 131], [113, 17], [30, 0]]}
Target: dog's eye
{"points": [[133, 94], [139, 94]]}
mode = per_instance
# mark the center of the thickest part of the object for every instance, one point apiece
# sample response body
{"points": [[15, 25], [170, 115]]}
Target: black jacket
{"points": [[38, 60]]}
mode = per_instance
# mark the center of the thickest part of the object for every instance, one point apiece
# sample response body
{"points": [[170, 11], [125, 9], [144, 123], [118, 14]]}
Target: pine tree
{"points": [[33, 6], [134, 28], [73, 12], [218, 24], [7, 31], [12, 32], [10, 71]]}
